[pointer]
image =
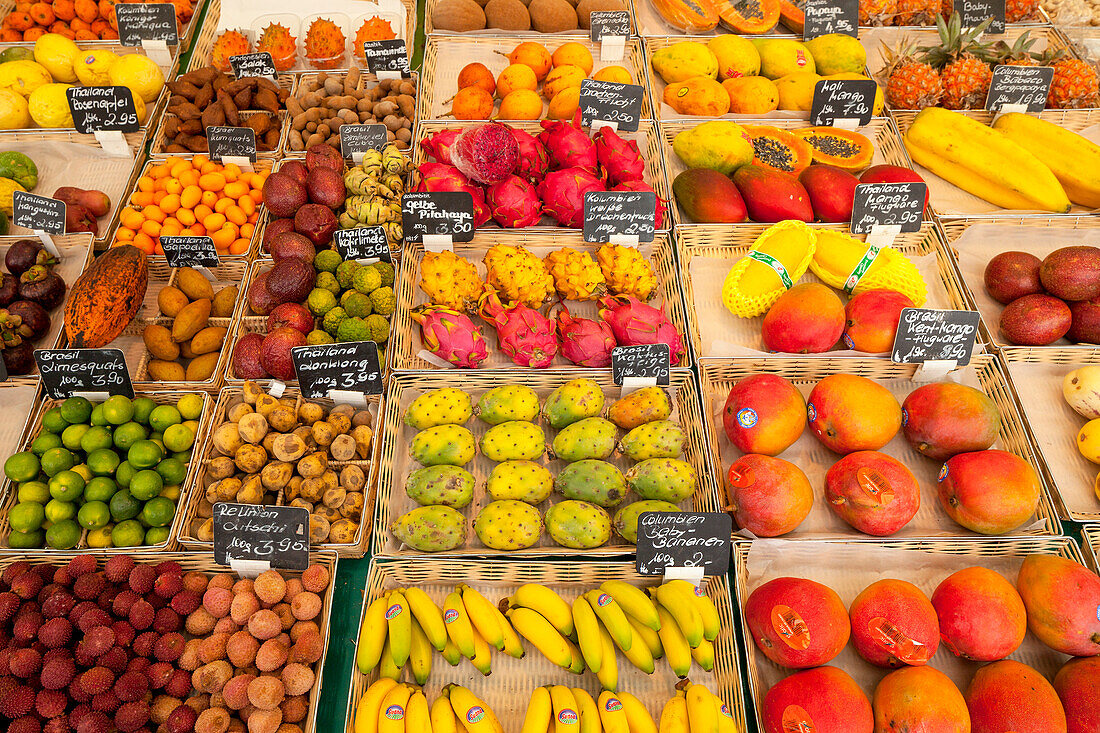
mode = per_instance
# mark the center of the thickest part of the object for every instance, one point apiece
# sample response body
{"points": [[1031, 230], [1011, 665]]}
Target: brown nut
{"points": [[220, 467], [329, 480], [283, 418], [253, 427], [269, 441], [251, 493], [227, 439], [276, 475], [250, 458], [352, 478], [292, 490], [363, 417], [342, 448], [352, 508], [237, 411], [322, 432], [302, 504], [306, 434], [329, 513], [226, 490], [288, 447]]}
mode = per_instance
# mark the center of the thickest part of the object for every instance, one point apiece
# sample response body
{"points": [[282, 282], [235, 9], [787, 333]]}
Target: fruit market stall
{"points": [[1090, 533], [547, 17]]}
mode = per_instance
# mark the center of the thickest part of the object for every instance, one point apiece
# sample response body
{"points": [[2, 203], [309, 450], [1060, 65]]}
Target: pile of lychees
{"points": [[138, 647]]}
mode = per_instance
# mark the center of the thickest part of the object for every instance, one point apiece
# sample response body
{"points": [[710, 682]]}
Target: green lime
{"points": [[124, 473], [57, 510], [178, 438], [157, 535], [36, 491], [52, 420], [93, 515], [172, 470], [44, 442], [158, 438], [27, 516], [64, 535], [124, 506], [190, 406], [100, 488], [183, 456], [84, 472], [67, 486], [158, 512], [145, 485], [98, 417], [164, 415], [77, 410], [128, 534], [103, 462], [144, 454], [128, 434], [26, 540], [23, 466], [118, 409], [56, 460], [70, 436], [97, 437], [142, 407]]}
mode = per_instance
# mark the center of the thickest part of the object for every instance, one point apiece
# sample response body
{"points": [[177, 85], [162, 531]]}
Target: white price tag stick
{"points": [[846, 123], [277, 388], [612, 48], [357, 157], [248, 568], [934, 370], [633, 384], [113, 143], [47, 241], [597, 124], [435, 360], [1007, 108], [883, 235], [93, 396], [627, 240], [158, 52], [241, 161], [439, 243], [206, 271], [693, 575], [348, 396], [391, 75]]}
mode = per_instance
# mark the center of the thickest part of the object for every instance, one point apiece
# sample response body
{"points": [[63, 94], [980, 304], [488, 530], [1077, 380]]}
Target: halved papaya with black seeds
{"points": [[792, 16], [845, 149], [748, 16], [779, 150]]}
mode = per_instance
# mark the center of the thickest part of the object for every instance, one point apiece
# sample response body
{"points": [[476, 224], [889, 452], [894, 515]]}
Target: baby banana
{"points": [[547, 602]]}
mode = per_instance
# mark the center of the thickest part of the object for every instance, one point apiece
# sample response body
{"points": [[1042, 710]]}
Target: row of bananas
{"points": [[374, 190], [397, 707]]}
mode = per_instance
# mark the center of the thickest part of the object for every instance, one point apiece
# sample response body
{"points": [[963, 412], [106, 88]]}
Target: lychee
{"points": [[114, 659], [25, 662], [56, 632], [195, 581], [166, 621], [93, 617], [14, 570], [81, 565], [159, 673], [315, 578], [25, 627], [9, 604], [265, 624], [118, 567], [243, 606], [57, 673], [266, 692], [131, 686], [181, 720], [106, 702], [131, 716], [168, 585], [306, 605], [96, 680], [168, 567], [141, 615], [122, 602], [271, 656], [93, 722], [59, 604], [217, 601], [16, 701], [297, 679], [180, 684], [270, 586], [89, 586], [26, 724], [124, 633], [141, 579], [213, 719], [50, 703], [186, 601], [27, 585]]}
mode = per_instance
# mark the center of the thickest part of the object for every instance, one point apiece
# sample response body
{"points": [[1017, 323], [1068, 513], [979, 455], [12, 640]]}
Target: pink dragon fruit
{"points": [[619, 157], [485, 152], [584, 342], [562, 193], [659, 215], [451, 336], [438, 146], [567, 145], [634, 322], [524, 334], [533, 160], [514, 203], [442, 177]]}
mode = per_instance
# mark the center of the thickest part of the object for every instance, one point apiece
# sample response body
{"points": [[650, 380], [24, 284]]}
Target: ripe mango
{"points": [[769, 496], [708, 197], [1061, 598], [944, 419], [824, 700], [920, 698], [1010, 696], [1076, 684], [699, 96], [764, 413], [849, 413], [982, 617], [796, 622], [989, 491], [895, 625], [684, 60], [807, 319], [873, 492]]}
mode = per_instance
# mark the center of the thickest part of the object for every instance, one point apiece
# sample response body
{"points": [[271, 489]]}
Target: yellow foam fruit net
{"points": [[853, 266], [776, 261]]}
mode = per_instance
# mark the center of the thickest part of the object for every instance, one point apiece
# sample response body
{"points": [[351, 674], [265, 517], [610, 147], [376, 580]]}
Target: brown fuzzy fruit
{"points": [[271, 656], [213, 648], [315, 578], [212, 677], [217, 601], [308, 648], [212, 720], [295, 709], [235, 691], [266, 692], [306, 606], [297, 679], [244, 605], [241, 649], [200, 622], [265, 721]]}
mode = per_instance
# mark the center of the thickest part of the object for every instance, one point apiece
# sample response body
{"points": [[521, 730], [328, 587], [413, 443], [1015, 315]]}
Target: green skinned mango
{"points": [[446, 406], [513, 441], [447, 485], [508, 525], [578, 525], [625, 522], [591, 438], [431, 529], [661, 439], [443, 444], [597, 482], [663, 479], [572, 402], [507, 403], [521, 481]]}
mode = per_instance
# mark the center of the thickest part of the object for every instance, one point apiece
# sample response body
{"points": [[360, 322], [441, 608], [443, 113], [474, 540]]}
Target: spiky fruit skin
{"points": [[372, 29], [585, 342], [514, 203], [916, 12], [283, 47], [965, 83], [1075, 85], [877, 12], [633, 323], [568, 146], [445, 177], [229, 43], [562, 193], [620, 158], [451, 336], [1017, 10], [518, 275], [534, 161], [913, 85], [576, 275], [626, 271], [450, 281], [524, 334], [324, 44]]}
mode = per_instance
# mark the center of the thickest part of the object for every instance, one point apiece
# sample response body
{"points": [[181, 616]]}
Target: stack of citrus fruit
{"points": [[193, 197], [113, 469]]}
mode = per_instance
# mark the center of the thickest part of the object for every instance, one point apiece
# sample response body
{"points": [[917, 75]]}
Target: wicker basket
{"points": [[1090, 533], [446, 55], [395, 464], [193, 510], [984, 373], [497, 580], [406, 344], [160, 142], [161, 398], [574, 35], [707, 252], [850, 567]]}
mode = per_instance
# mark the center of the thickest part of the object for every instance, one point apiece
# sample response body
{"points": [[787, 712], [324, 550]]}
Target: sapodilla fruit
{"points": [[982, 617], [920, 699], [797, 622], [822, 700], [848, 413], [988, 491], [1062, 599], [1078, 686], [873, 492], [807, 319], [764, 413], [894, 624], [1010, 696], [769, 496], [944, 419]]}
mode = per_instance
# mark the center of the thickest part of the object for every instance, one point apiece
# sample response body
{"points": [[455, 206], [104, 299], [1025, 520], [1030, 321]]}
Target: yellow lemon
{"points": [[139, 107], [92, 67], [14, 114], [23, 77], [139, 73], [49, 106], [57, 53], [617, 74]]}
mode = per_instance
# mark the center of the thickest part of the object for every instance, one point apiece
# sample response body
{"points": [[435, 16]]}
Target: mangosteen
{"points": [[19, 359], [25, 254], [9, 288], [35, 319], [43, 286]]}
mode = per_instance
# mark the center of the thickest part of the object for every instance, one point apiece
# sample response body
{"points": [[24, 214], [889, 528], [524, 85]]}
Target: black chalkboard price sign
{"points": [[228, 142], [608, 24], [139, 22], [843, 99], [609, 213], [437, 213], [684, 539], [364, 243], [65, 371], [361, 138], [189, 251], [278, 535], [926, 334], [831, 16], [1026, 85], [976, 12], [388, 55], [40, 213], [609, 101], [349, 367], [253, 64], [644, 361], [102, 109], [888, 203]]}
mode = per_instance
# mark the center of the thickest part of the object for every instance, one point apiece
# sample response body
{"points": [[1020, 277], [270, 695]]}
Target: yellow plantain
{"points": [[1073, 158], [372, 636], [366, 712]]}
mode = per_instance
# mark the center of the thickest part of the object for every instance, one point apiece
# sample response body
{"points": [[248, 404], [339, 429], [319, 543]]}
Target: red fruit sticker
{"points": [[796, 720], [791, 628], [875, 485], [742, 477], [896, 643], [800, 58]]}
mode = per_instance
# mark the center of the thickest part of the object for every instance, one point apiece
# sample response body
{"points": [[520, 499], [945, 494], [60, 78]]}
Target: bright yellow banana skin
{"points": [[391, 713], [372, 636], [639, 718], [612, 713], [539, 712], [366, 712], [674, 717], [399, 635], [701, 711], [1074, 159], [586, 708], [540, 598], [442, 716]]}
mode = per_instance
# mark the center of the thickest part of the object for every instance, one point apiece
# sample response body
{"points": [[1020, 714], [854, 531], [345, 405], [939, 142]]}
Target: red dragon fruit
{"points": [[567, 145], [634, 322], [659, 214], [524, 334], [619, 157], [562, 193], [442, 177], [514, 203], [485, 152], [438, 146], [584, 342], [451, 336], [533, 160]]}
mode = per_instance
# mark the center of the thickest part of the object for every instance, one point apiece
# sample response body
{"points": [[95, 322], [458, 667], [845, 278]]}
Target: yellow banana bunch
{"points": [[532, 626], [540, 598], [402, 627], [395, 707]]}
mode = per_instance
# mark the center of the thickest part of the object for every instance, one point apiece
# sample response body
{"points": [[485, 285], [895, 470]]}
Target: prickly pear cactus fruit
{"points": [[625, 522], [664, 479], [520, 481], [659, 439], [639, 407], [597, 482], [443, 444], [513, 441], [573, 401], [578, 525], [446, 406], [506, 403], [447, 485], [592, 437], [508, 525], [431, 529]]}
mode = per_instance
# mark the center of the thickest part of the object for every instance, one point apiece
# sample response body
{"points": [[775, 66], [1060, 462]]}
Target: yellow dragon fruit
{"points": [[324, 44], [373, 29], [229, 43], [518, 275], [283, 47], [576, 276], [627, 272], [451, 281]]}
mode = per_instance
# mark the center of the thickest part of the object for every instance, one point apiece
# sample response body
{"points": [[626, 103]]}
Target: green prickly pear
{"points": [[573, 401], [625, 522], [508, 525], [443, 444], [513, 441], [664, 479], [658, 439], [431, 529], [593, 481], [639, 407], [578, 524], [592, 437], [507, 403], [446, 406], [447, 485], [520, 480]]}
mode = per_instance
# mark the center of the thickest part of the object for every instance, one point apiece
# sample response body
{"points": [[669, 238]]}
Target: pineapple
{"points": [[876, 12], [1018, 54], [1075, 85], [963, 63], [1017, 10], [916, 12], [910, 83]]}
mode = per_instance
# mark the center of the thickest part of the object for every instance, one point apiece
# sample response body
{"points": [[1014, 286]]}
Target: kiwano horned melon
{"points": [[852, 266], [776, 261], [835, 146], [106, 297], [779, 149], [748, 16]]}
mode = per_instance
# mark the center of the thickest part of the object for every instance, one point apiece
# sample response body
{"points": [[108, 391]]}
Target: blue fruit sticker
{"points": [[395, 712], [810, 411], [747, 417], [943, 473], [904, 417], [568, 717], [848, 341], [613, 704], [475, 714], [602, 600], [450, 616], [393, 612]]}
